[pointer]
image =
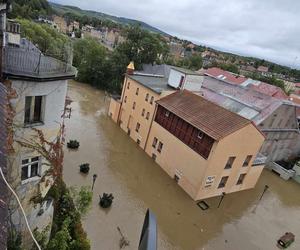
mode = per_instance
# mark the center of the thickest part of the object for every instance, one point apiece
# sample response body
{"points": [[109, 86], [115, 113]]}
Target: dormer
{"points": [[185, 79]]}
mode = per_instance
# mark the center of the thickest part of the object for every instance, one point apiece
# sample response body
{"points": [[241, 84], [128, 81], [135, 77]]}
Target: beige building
{"points": [[198, 143], [61, 23]]}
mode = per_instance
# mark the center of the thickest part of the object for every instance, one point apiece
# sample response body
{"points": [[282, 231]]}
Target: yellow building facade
{"points": [[201, 168]]}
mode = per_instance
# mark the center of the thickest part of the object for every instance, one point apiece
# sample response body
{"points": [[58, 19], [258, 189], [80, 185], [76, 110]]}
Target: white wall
{"points": [[193, 82], [55, 94], [174, 78]]}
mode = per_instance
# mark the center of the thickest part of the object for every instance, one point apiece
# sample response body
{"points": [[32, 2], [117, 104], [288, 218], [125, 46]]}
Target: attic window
{"points": [[200, 135]]}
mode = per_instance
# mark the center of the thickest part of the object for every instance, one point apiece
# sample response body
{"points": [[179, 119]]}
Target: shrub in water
{"points": [[84, 168], [73, 144]]}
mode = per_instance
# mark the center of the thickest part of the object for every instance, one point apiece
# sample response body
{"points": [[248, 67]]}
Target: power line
{"points": [[23, 212]]}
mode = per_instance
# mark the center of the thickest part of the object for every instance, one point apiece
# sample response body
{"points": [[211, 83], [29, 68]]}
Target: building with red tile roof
{"points": [[225, 75]]}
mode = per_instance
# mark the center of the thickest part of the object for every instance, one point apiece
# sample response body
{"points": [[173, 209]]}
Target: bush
{"points": [[84, 168], [67, 232], [73, 144], [106, 200]]}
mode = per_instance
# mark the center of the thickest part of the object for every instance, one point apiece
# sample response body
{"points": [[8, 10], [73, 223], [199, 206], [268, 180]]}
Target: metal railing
{"points": [[22, 62]]}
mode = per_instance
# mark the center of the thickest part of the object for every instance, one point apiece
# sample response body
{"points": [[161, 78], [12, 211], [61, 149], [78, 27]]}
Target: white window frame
{"points": [[29, 164]]}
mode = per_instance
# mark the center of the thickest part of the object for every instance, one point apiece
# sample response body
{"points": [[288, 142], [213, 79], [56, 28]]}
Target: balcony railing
{"points": [[22, 62]]}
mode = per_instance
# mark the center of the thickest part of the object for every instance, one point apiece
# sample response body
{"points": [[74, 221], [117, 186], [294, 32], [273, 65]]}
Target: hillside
{"points": [[62, 9]]}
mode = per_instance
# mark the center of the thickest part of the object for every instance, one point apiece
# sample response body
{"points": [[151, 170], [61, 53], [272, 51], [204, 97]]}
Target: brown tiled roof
{"points": [[207, 116], [3, 188]]}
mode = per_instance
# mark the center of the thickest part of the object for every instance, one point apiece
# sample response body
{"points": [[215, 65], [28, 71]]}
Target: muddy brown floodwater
{"points": [[137, 183]]}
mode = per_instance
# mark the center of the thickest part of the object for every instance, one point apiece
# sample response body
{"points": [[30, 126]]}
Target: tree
{"points": [[48, 40], [90, 59]]}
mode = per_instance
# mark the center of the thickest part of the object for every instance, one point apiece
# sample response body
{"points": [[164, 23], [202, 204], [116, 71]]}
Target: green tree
{"points": [[82, 199], [49, 41]]}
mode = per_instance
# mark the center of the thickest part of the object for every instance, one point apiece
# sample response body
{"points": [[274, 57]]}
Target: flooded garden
{"points": [[137, 183]]}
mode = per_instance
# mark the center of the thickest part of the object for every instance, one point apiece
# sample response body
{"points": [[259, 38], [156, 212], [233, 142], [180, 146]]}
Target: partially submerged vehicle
{"points": [[286, 240]]}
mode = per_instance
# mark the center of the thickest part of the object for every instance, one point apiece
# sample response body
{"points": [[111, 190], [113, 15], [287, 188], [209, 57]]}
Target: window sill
{"points": [[34, 124], [32, 179]]}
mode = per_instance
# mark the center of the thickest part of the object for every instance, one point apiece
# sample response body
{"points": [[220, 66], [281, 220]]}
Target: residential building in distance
{"points": [[275, 117], [39, 84], [61, 23], [198, 143]]}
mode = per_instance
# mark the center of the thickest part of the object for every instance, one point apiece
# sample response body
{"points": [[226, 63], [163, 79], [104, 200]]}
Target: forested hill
{"points": [[63, 9]]}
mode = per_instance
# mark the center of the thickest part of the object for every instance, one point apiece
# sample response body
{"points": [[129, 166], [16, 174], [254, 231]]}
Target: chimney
{"points": [[130, 68]]}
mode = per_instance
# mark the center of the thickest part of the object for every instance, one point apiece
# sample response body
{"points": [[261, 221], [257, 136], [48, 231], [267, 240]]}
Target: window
{"points": [[241, 179], [138, 141], [128, 85], [200, 135], [247, 160], [151, 100], [160, 147], [33, 109], [125, 99], [137, 128], [30, 168], [181, 81], [148, 115], [147, 97], [143, 112], [153, 157], [137, 91], [167, 113], [229, 162], [223, 182], [154, 142], [133, 105]]}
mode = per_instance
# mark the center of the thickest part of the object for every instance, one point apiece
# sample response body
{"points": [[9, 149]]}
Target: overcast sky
{"points": [[268, 29]]}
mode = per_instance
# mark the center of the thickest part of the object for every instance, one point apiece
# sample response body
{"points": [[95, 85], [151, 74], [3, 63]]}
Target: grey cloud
{"points": [[268, 29]]}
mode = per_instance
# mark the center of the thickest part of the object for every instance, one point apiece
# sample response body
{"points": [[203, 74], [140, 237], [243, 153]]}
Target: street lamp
{"points": [[222, 197], [265, 189], [94, 179]]}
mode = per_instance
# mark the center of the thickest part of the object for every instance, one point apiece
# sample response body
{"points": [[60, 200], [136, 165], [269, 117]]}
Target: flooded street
{"points": [[137, 183]]}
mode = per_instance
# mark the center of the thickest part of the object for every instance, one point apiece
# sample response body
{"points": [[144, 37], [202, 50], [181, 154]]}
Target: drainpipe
{"points": [[152, 119], [122, 97]]}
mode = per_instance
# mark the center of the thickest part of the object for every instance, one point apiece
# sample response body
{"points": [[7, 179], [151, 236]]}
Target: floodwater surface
{"points": [[241, 223]]}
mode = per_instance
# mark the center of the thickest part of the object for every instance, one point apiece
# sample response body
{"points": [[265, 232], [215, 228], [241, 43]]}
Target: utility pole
{"points": [[265, 189], [222, 197], [94, 179]]}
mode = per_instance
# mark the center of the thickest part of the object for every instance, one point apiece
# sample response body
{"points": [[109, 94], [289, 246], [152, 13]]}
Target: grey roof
{"points": [[155, 83], [244, 101], [3, 188]]}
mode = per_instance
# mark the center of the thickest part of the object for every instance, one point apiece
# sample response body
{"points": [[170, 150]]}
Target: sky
{"points": [[267, 29]]}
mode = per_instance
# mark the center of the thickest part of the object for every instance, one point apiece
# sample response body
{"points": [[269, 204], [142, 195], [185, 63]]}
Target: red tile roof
{"points": [[270, 90], [297, 84], [262, 69], [225, 75], [212, 119]]}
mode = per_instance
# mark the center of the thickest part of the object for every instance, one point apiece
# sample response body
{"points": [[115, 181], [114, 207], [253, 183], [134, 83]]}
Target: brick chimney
{"points": [[130, 68]]}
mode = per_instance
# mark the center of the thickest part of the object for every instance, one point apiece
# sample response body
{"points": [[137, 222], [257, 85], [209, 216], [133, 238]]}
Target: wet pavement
{"points": [[137, 183]]}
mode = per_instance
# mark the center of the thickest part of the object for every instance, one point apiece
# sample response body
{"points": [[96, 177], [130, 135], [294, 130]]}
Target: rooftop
{"points": [[212, 119], [225, 75], [259, 86], [244, 101], [153, 82]]}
